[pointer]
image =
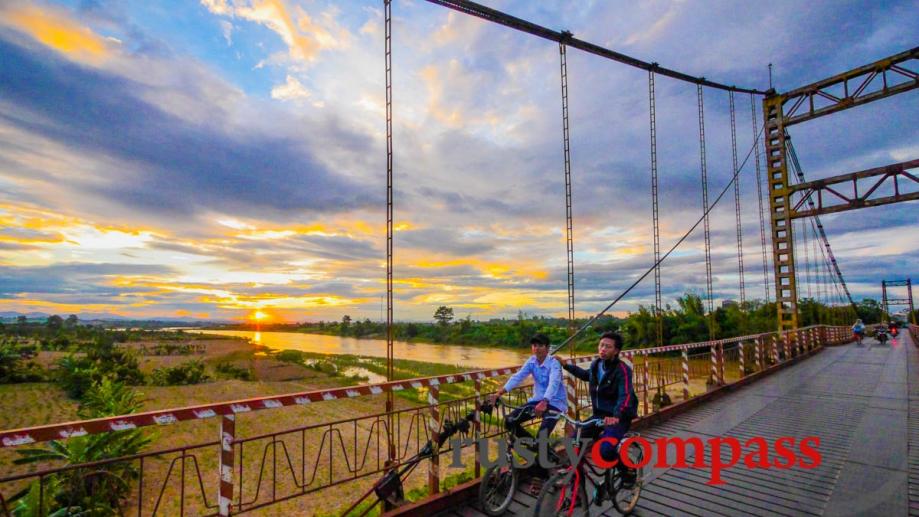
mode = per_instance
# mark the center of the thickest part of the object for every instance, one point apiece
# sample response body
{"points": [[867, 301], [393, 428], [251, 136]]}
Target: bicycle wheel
{"points": [[555, 498], [497, 488], [625, 499]]}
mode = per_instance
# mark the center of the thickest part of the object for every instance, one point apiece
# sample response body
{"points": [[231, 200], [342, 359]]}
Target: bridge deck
{"points": [[863, 403]]}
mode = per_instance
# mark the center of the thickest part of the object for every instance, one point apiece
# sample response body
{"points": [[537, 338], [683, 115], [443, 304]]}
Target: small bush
{"points": [[76, 374], [13, 369], [290, 356], [233, 372], [184, 374], [325, 367]]}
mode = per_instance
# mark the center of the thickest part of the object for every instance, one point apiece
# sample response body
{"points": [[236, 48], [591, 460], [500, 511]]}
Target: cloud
{"points": [[227, 29], [58, 31], [304, 36], [71, 279], [165, 153], [292, 89], [159, 160]]}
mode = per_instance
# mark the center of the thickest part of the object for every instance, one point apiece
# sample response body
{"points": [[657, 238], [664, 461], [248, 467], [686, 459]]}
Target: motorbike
{"points": [[882, 336]]}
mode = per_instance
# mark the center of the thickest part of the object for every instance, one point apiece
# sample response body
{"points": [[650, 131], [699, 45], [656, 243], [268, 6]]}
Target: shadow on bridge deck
{"points": [[863, 403]]}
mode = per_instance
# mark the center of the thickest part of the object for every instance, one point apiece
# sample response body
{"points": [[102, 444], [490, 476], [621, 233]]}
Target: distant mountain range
{"points": [[104, 316]]}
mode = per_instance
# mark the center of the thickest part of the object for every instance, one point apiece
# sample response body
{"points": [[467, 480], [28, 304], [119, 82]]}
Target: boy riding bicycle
{"points": [[548, 392], [859, 330], [612, 395]]}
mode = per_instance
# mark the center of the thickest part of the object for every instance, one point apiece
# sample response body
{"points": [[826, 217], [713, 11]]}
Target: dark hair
{"points": [[615, 337], [539, 339]]}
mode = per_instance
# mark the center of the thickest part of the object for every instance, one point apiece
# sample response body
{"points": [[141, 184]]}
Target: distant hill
{"points": [[102, 317]]}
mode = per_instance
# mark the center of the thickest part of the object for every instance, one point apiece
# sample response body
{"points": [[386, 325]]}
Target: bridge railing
{"points": [[252, 472]]}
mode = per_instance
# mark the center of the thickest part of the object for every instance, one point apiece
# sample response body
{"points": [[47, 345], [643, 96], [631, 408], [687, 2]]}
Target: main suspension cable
{"points": [[657, 263], [493, 15]]}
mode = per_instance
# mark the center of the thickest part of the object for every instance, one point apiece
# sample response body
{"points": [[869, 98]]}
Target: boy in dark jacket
{"points": [[612, 395]]}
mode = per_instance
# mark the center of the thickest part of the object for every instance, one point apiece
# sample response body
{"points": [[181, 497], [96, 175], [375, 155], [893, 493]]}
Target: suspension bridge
{"points": [[795, 381]]}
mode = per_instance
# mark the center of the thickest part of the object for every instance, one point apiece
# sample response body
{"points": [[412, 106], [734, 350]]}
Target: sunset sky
{"points": [[217, 158]]}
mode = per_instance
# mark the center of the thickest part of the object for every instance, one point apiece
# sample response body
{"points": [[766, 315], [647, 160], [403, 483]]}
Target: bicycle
{"points": [[566, 492], [859, 336], [499, 483]]}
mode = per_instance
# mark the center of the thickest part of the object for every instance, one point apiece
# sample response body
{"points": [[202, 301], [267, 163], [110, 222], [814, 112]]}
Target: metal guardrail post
{"points": [[646, 381], [721, 364], [714, 356], [758, 353], [434, 428], [685, 374], [477, 424], [571, 392], [775, 349], [740, 355], [787, 345], [227, 437]]}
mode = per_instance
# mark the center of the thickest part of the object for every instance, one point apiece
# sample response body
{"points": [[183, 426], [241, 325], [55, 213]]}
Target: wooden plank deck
{"points": [[863, 403]]}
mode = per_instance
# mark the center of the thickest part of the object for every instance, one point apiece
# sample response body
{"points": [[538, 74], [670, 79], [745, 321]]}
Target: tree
{"points": [[55, 322], [71, 321], [443, 314], [869, 310], [346, 321]]}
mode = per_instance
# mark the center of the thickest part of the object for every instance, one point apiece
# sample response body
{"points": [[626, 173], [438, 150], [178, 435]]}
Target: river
{"points": [[466, 356]]}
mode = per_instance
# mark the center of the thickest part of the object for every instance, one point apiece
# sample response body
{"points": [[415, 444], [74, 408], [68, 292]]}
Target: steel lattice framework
{"points": [[878, 80], [886, 301]]}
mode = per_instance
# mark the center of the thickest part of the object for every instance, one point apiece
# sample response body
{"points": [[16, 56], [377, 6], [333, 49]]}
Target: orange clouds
{"points": [[59, 32], [304, 36]]}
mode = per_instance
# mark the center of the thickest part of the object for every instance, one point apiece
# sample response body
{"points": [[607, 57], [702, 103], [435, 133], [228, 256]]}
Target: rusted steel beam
{"points": [[827, 189], [887, 69]]}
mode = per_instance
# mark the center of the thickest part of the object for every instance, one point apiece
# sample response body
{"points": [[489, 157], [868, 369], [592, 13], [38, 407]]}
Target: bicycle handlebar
{"points": [[591, 422], [597, 422]]}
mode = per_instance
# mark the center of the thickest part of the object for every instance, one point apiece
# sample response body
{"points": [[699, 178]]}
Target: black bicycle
{"points": [[499, 483], [566, 492], [389, 488]]}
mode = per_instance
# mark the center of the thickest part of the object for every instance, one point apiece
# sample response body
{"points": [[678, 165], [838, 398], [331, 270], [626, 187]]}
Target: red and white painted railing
{"points": [[794, 343]]}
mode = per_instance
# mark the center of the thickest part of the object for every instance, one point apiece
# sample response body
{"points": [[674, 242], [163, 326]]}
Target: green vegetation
{"points": [[191, 372], [14, 368], [102, 359], [229, 371], [87, 491]]}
